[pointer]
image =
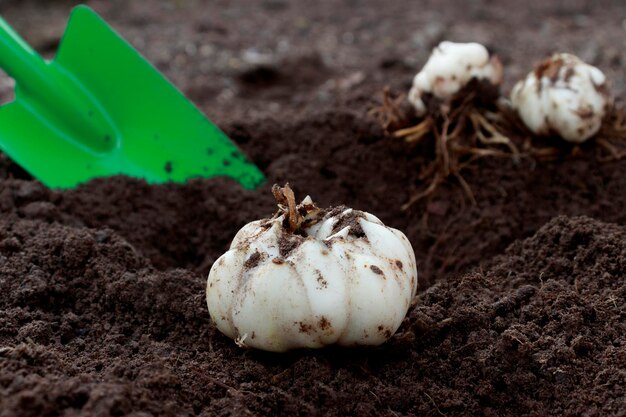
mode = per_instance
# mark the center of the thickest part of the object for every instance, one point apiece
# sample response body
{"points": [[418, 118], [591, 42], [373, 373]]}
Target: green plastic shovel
{"points": [[100, 109]]}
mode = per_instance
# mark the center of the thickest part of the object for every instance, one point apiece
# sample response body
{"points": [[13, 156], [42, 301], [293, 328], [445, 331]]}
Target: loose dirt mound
{"points": [[90, 327], [540, 332]]}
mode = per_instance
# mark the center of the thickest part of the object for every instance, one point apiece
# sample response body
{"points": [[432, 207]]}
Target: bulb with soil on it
{"points": [[309, 277], [454, 99], [567, 98]]}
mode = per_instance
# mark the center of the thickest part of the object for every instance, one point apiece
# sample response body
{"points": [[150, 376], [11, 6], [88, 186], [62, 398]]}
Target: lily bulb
{"points": [[308, 278], [450, 67], [563, 96]]}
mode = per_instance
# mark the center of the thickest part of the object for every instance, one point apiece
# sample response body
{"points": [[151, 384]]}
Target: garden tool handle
{"points": [[57, 94], [19, 60]]}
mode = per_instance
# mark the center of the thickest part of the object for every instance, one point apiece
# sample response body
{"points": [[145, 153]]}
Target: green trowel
{"points": [[100, 109]]}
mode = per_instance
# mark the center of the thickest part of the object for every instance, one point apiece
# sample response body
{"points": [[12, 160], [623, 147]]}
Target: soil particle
{"points": [[288, 242], [305, 327], [324, 323], [549, 68], [384, 331], [352, 219], [253, 260], [321, 281], [376, 270]]}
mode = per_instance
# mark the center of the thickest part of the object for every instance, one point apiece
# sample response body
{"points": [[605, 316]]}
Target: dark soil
{"points": [[522, 307]]}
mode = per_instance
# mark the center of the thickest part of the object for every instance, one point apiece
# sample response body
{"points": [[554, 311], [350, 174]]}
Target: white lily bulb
{"points": [[450, 67], [343, 278], [563, 96]]}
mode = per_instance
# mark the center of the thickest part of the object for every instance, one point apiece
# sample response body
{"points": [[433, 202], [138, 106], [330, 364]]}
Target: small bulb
{"points": [[563, 96], [450, 67]]}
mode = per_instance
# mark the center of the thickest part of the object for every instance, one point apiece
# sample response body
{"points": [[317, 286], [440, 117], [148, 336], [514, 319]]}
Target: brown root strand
{"points": [[388, 113], [466, 188], [480, 152], [481, 123], [415, 133], [441, 150], [428, 191], [549, 153], [615, 153]]}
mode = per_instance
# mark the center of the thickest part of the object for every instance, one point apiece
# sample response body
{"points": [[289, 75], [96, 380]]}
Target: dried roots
{"points": [[465, 130], [462, 135], [390, 113]]}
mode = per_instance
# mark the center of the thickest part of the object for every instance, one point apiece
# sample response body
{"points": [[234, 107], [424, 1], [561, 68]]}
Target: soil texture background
{"points": [[522, 302]]}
